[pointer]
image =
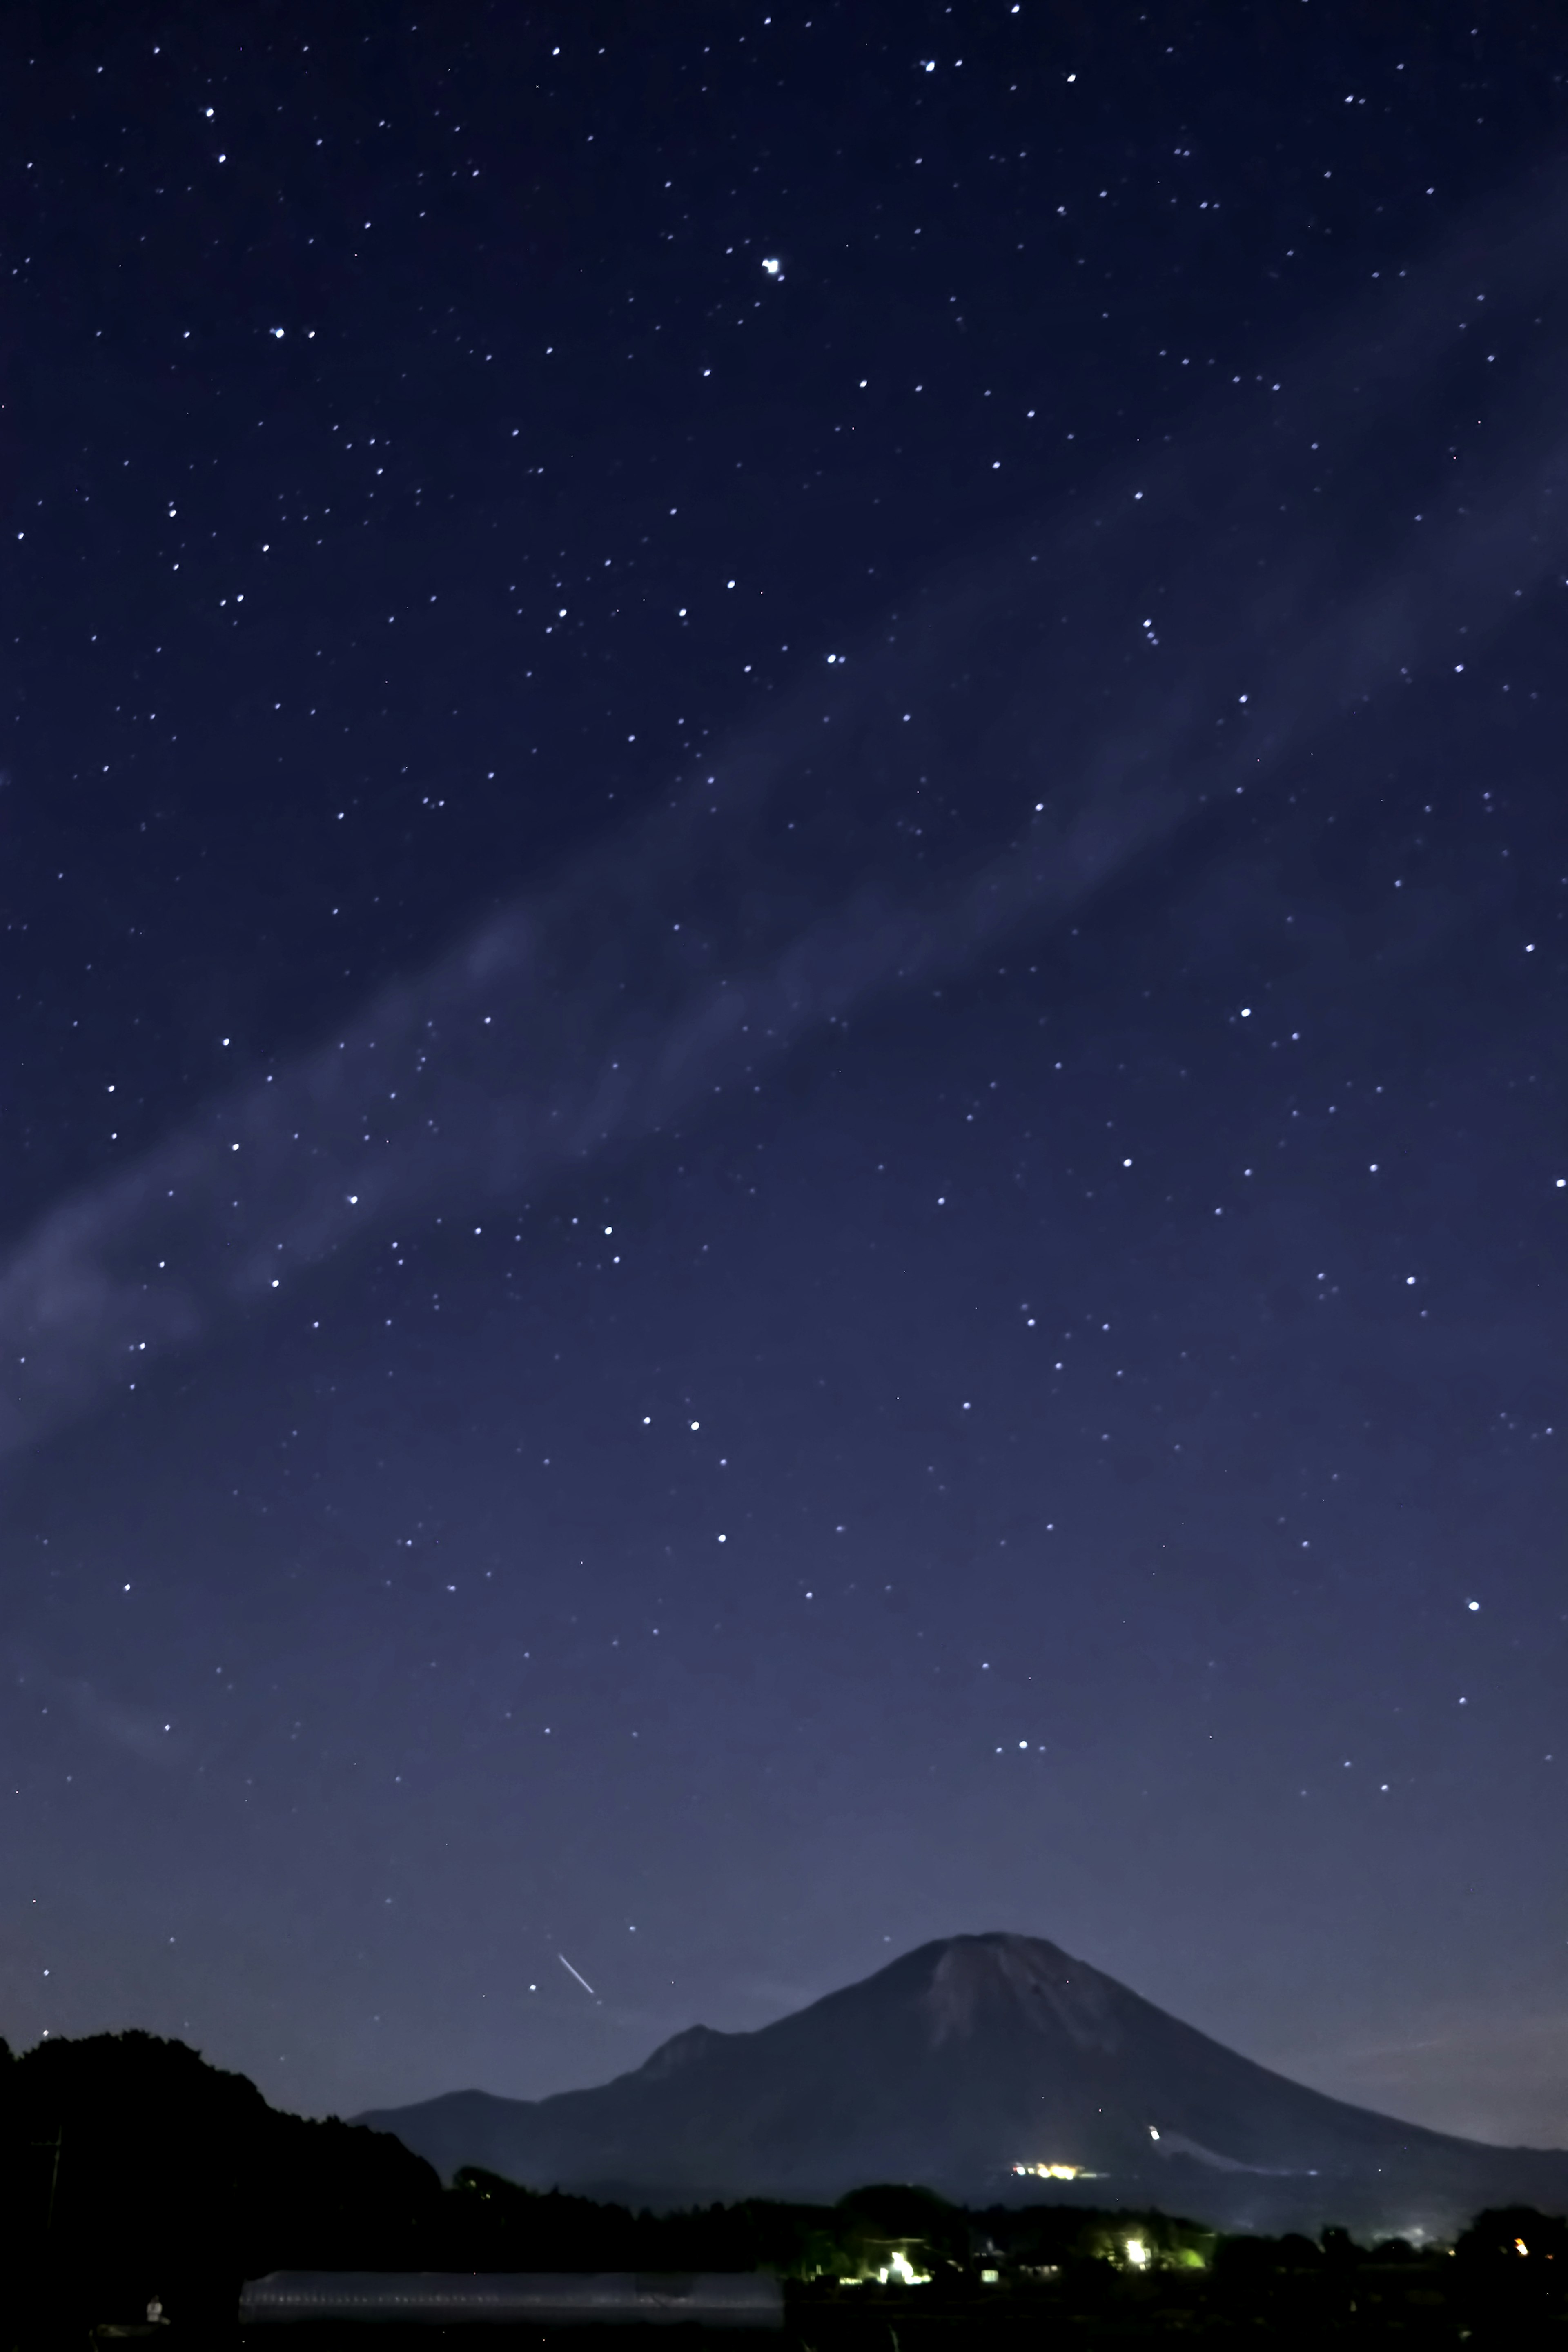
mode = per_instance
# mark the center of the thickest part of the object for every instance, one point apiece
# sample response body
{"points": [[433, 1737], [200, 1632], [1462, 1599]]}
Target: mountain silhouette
{"points": [[959, 2063]]}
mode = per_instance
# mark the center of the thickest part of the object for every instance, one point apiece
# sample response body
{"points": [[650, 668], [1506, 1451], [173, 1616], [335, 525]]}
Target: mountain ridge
{"points": [[956, 2065]]}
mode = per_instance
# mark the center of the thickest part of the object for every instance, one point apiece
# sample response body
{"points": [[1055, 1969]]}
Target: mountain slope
{"points": [[957, 2062]]}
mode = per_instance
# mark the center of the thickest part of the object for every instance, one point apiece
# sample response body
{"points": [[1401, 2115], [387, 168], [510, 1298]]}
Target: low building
{"points": [[513, 2298]]}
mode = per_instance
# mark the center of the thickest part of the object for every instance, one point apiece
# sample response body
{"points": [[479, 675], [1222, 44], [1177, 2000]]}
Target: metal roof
{"points": [[550, 2298]]}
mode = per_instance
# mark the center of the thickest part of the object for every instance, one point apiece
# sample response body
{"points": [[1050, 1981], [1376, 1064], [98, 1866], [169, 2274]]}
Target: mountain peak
{"points": [[981, 2066], [1002, 1978], [680, 2051]]}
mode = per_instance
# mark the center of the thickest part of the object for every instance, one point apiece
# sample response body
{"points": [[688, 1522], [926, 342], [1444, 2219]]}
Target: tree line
{"points": [[133, 2171]]}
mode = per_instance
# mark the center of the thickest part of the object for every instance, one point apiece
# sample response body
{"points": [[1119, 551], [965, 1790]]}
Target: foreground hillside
{"points": [[132, 2170], [955, 2067]]}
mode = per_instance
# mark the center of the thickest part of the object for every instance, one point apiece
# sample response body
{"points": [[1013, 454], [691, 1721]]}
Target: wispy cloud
{"points": [[135, 1730], [1080, 696]]}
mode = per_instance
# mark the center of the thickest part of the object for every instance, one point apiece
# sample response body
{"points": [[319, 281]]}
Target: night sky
{"points": [[785, 865]]}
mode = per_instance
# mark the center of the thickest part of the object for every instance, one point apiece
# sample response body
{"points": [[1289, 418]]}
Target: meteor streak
{"points": [[577, 1973]]}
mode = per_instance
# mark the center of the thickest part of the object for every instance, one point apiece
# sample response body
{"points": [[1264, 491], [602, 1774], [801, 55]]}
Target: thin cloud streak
{"points": [[1079, 697]]}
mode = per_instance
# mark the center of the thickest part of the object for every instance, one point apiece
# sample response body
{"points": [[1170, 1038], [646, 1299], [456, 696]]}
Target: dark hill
{"points": [[953, 2065], [131, 2168]]}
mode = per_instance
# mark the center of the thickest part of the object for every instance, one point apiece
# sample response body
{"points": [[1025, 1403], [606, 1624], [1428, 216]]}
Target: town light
{"points": [[899, 2269]]}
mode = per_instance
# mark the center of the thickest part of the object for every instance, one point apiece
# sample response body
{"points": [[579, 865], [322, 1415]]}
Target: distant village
{"points": [[153, 2196]]}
